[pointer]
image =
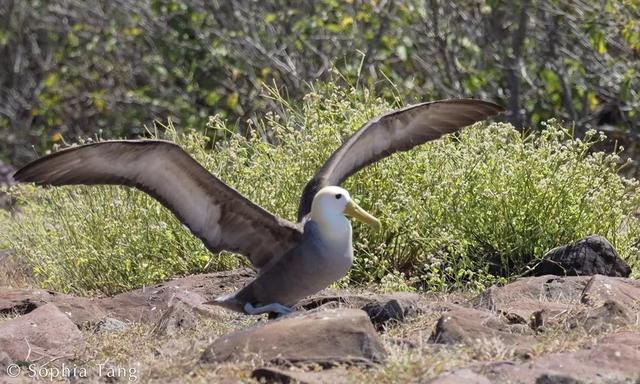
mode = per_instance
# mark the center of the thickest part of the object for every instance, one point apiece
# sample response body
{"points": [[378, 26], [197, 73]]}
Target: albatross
{"points": [[293, 260]]}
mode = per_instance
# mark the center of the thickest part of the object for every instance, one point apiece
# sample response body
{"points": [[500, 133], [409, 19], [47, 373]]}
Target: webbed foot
{"points": [[269, 308]]}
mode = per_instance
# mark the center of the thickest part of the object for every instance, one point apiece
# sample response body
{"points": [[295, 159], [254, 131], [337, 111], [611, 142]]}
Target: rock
{"points": [[141, 305], [382, 309], [45, 333], [393, 308], [326, 337], [280, 376], [521, 299], [601, 289], [629, 338], [111, 325], [613, 359], [17, 380], [466, 376], [610, 315], [593, 255], [470, 326], [5, 360], [150, 303], [80, 310], [556, 379], [547, 300], [178, 317]]}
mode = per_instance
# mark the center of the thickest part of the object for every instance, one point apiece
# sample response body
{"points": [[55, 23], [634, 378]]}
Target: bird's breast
{"points": [[336, 260]]}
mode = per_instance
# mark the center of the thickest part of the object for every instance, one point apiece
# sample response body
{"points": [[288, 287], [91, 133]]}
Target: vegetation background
{"points": [[71, 68], [261, 92]]}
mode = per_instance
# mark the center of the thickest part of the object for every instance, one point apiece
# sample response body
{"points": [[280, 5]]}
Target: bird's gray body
{"points": [[309, 267]]}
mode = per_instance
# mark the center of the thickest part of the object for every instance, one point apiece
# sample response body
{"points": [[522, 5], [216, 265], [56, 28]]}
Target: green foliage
{"points": [[466, 210], [116, 66]]}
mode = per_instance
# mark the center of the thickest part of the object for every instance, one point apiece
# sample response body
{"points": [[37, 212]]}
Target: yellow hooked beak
{"points": [[352, 209]]}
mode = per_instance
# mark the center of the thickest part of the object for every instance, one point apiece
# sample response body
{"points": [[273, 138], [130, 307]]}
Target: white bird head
{"points": [[332, 203]]}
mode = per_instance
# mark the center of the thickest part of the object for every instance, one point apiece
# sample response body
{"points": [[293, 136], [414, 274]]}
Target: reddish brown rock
{"points": [[465, 376], [602, 363], [45, 333], [80, 310], [614, 359], [181, 315], [284, 376], [629, 338], [467, 325], [601, 289], [610, 315], [382, 309], [17, 380], [538, 300], [141, 305], [150, 303], [325, 336], [524, 297]]}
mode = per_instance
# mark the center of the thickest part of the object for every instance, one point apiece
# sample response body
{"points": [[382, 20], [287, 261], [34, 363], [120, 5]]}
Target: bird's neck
{"points": [[334, 229]]}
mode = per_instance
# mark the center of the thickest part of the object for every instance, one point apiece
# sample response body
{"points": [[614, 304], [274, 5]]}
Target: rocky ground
{"points": [[538, 329]]}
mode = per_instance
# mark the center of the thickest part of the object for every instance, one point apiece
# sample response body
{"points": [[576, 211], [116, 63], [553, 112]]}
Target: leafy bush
{"points": [[466, 210], [76, 66]]}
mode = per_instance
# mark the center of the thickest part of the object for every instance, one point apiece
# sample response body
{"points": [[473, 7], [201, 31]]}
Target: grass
{"points": [[469, 210]]}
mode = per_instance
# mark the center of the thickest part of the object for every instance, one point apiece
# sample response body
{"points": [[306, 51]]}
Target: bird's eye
{"points": [[338, 196]]}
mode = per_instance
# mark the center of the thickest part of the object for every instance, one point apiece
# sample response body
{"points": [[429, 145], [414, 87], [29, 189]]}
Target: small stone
{"points": [[111, 325]]}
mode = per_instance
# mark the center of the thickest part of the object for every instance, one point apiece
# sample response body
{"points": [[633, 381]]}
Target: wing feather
{"points": [[216, 213], [395, 131]]}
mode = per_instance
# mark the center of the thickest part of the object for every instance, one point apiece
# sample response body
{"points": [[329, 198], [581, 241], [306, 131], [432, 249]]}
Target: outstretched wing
{"points": [[220, 216], [395, 131]]}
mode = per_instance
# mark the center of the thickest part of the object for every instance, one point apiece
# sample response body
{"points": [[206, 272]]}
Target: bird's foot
{"points": [[278, 308]]}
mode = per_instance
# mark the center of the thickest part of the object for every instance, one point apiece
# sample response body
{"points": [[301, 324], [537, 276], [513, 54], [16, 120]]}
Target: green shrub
{"points": [[467, 210]]}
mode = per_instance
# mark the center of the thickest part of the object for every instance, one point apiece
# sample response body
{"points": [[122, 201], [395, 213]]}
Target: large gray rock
{"points": [[45, 333], [323, 336], [593, 255]]}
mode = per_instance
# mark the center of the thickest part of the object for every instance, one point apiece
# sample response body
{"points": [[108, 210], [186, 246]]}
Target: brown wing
{"points": [[220, 216], [395, 131]]}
